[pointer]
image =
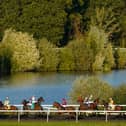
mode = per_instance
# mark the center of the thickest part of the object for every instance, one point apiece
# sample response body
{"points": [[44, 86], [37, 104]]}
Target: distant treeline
{"points": [[20, 52], [62, 35], [62, 20]]}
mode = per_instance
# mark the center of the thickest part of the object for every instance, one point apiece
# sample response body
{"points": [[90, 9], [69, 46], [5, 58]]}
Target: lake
{"points": [[52, 86]]}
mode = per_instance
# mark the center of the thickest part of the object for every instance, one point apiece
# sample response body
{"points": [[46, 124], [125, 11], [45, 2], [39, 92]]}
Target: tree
{"points": [[107, 15], [96, 40], [82, 54], [5, 63], [109, 61], [49, 58], [120, 94], [91, 85], [66, 59], [40, 18], [23, 52]]}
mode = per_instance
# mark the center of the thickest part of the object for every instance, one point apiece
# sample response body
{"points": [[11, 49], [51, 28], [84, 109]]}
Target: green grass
{"points": [[63, 123]]}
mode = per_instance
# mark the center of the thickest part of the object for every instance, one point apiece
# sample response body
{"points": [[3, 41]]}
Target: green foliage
{"points": [[40, 18], [66, 60], [121, 58], [109, 58], [49, 58], [82, 54], [5, 63], [107, 15], [91, 85], [120, 94], [96, 39], [24, 54]]}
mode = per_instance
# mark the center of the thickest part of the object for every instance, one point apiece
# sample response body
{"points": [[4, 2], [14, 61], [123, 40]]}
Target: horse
{"points": [[26, 104], [61, 107], [110, 108], [37, 106], [115, 108], [3, 107], [87, 106], [10, 107]]}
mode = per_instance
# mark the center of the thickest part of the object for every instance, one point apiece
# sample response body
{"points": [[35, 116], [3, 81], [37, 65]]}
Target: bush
{"points": [[66, 60], [5, 63], [120, 94], [109, 61], [24, 54], [49, 58], [120, 58], [82, 54], [86, 86]]}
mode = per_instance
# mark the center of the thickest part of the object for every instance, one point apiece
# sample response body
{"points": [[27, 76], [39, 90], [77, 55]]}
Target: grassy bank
{"points": [[63, 123]]}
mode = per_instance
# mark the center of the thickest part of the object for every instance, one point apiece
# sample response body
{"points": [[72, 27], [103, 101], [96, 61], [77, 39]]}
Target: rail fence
{"points": [[48, 109]]}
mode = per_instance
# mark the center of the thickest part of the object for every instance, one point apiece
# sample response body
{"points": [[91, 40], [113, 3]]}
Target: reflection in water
{"points": [[52, 86]]}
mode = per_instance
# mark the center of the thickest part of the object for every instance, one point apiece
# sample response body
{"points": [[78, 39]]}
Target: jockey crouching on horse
{"points": [[88, 100], [33, 101], [111, 104], [7, 103]]}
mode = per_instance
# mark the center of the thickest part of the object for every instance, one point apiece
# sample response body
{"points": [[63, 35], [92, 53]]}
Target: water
{"points": [[52, 86]]}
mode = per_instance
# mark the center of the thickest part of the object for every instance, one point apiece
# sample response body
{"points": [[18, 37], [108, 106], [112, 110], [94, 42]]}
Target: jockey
{"points": [[7, 103], [111, 104], [64, 102], [88, 100], [33, 101]]}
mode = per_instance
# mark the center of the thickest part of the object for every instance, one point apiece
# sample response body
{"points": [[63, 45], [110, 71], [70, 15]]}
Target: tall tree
{"points": [[41, 18], [107, 15]]}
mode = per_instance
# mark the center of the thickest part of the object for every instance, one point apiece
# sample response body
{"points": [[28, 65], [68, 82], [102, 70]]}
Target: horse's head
{"points": [[96, 101], [1, 104], [58, 105], [41, 99], [25, 102]]}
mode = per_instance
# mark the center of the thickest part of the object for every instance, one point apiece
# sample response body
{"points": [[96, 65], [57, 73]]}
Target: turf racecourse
{"points": [[63, 123]]}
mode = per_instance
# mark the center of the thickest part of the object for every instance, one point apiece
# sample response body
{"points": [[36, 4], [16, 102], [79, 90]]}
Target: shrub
{"points": [[121, 58], [120, 94], [49, 58], [24, 54], [66, 60], [109, 58], [92, 85], [82, 54]]}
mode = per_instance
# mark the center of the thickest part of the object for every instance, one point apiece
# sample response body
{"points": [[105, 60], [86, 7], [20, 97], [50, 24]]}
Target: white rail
{"points": [[48, 111]]}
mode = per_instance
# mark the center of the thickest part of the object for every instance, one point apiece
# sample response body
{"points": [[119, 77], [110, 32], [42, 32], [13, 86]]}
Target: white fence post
{"points": [[76, 116], [48, 115], [106, 116], [18, 116]]}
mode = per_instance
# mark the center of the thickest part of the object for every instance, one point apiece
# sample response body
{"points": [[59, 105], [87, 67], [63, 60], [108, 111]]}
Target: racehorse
{"points": [[38, 104], [11, 107], [107, 107], [3, 107], [61, 107], [26, 104], [87, 106]]}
